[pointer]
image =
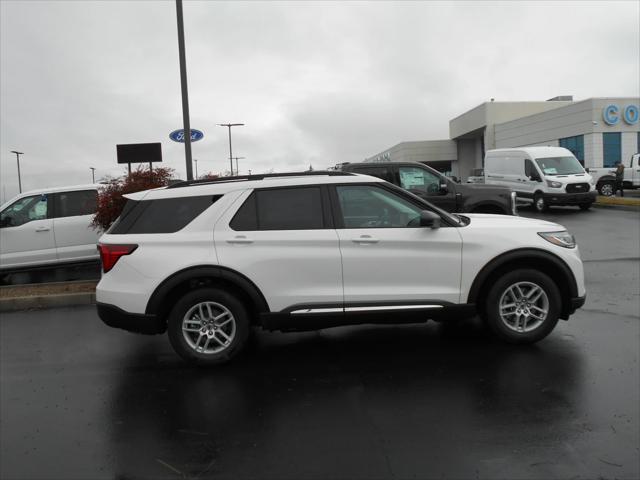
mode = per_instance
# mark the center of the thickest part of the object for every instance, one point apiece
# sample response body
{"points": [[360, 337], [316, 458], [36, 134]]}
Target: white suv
{"points": [[206, 260]]}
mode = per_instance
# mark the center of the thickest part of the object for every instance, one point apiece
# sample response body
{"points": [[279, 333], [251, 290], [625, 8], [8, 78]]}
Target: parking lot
{"points": [[81, 400]]}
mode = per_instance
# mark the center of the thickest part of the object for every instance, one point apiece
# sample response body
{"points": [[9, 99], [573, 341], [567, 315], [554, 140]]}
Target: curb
{"points": [[631, 208], [47, 301]]}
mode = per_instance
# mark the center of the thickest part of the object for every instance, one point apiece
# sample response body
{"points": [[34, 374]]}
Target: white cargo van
{"points": [[543, 176]]}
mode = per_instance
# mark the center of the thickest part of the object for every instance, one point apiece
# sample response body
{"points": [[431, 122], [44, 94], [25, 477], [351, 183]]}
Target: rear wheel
{"points": [[539, 203], [208, 326], [523, 306], [607, 189]]}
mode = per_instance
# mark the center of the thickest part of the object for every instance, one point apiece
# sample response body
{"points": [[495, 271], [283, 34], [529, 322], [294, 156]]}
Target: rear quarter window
{"points": [[166, 215]]}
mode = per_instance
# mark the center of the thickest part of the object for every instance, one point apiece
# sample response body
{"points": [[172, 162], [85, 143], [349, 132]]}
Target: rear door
{"points": [[283, 240], [26, 233], [75, 237], [387, 258]]}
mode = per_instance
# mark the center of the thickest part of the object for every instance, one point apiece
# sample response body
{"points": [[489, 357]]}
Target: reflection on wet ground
{"points": [[365, 402]]}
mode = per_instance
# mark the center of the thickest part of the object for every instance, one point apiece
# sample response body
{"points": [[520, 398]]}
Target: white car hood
{"points": [[506, 222]]}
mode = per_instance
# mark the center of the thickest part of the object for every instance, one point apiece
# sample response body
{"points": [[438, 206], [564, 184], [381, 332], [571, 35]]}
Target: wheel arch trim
{"points": [[206, 271], [516, 255]]}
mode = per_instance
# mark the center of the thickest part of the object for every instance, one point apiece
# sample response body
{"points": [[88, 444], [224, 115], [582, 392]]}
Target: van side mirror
{"points": [[429, 219], [535, 177], [443, 187], [586, 169]]}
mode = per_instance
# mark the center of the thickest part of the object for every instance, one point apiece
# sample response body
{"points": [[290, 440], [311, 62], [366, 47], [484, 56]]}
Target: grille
{"points": [[577, 187]]}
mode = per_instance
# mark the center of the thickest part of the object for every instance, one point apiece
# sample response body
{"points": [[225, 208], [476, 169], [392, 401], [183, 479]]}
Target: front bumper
{"points": [[132, 322], [570, 198], [576, 303]]}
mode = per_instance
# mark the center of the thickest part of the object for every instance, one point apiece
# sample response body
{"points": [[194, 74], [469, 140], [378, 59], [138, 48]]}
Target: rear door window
{"points": [[281, 209], [72, 204], [165, 215]]}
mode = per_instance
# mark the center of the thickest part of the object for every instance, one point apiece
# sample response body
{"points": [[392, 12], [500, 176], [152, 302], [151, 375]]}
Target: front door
{"points": [[427, 185], [26, 233], [387, 257]]}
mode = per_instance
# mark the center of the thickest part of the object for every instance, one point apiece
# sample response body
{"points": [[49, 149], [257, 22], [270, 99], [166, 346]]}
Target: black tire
{"points": [[507, 331], [539, 204], [607, 189], [219, 300], [585, 206]]}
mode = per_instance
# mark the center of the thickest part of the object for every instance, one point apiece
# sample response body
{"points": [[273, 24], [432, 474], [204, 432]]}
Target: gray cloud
{"points": [[315, 83]]}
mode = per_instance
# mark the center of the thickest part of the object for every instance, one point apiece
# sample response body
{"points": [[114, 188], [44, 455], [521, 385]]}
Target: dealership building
{"points": [[599, 131]]}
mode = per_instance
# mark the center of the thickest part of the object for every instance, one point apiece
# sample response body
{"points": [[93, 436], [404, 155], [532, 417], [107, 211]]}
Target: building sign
{"points": [[611, 114], [178, 135]]}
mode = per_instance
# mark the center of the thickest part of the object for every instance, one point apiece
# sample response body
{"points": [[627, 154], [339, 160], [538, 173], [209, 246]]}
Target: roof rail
{"points": [[239, 178]]}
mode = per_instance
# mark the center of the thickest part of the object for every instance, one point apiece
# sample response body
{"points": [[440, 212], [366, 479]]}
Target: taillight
{"points": [[110, 254]]}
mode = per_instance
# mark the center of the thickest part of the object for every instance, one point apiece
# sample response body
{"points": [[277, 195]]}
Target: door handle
{"points": [[240, 240], [365, 239], [42, 229]]}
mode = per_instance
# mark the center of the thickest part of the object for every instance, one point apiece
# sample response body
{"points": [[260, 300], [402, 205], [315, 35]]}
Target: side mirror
{"points": [[5, 222], [443, 187], [429, 219], [586, 169]]}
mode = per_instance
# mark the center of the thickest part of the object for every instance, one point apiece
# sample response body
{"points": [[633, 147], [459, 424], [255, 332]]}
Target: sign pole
{"points": [[185, 95]]}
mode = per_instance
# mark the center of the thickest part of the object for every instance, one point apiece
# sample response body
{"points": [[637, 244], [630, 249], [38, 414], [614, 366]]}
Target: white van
{"points": [[49, 227], [543, 176]]}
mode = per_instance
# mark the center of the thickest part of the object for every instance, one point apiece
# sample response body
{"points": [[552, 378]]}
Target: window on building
{"points": [[575, 145], [611, 150]]}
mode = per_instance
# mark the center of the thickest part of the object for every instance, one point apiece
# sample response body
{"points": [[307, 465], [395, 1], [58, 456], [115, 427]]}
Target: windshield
{"points": [[559, 165]]}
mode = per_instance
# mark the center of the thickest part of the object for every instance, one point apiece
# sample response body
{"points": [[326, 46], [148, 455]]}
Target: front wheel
{"points": [[539, 203], [523, 306], [607, 189], [208, 326]]}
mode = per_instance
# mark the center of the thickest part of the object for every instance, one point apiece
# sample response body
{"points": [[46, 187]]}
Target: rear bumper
{"points": [[132, 322], [570, 198]]}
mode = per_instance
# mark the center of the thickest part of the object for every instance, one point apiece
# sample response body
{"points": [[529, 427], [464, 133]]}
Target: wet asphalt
{"points": [[79, 400]]}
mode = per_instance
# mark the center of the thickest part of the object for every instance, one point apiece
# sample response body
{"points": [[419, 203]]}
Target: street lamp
{"points": [[18, 159], [93, 174], [229, 125], [236, 159]]}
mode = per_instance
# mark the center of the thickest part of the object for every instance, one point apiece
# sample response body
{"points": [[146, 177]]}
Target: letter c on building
{"points": [[631, 114], [610, 114]]}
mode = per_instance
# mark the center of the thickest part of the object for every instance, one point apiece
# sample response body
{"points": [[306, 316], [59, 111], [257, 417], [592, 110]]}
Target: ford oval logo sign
{"points": [[178, 135]]}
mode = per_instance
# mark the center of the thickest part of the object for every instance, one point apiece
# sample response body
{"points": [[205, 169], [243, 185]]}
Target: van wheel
{"points": [[523, 306], [539, 203], [208, 326], [585, 206], [606, 189]]}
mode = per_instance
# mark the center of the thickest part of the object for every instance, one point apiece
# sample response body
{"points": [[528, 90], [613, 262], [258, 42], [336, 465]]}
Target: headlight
{"points": [[561, 239], [554, 184]]}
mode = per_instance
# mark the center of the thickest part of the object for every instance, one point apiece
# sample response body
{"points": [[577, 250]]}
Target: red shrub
{"points": [[111, 200]]}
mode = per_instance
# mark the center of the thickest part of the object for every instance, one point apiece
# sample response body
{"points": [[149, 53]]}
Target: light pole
{"points": [[236, 159], [185, 94], [18, 159], [229, 125], [93, 174], [196, 162]]}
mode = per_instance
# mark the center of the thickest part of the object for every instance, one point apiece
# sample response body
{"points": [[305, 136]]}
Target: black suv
{"points": [[431, 185]]}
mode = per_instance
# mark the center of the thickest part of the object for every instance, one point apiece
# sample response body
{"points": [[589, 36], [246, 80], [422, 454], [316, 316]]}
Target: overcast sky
{"points": [[315, 83]]}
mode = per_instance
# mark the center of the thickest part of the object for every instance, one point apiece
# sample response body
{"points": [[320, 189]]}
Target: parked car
{"points": [[605, 178], [541, 176], [206, 260], [425, 182], [48, 227]]}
